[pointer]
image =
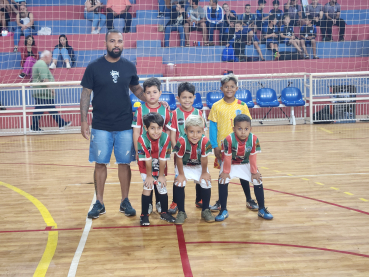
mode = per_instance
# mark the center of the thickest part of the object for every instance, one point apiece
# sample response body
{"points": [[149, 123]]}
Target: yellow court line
{"points": [[305, 179], [263, 167], [276, 171], [52, 240], [335, 188], [325, 130], [319, 183], [348, 193], [289, 174], [363, 199]]}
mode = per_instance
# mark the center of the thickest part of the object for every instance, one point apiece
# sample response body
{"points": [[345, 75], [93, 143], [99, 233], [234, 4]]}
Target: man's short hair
{"points": [[247, 5], [214, 1], [194, 121], [153, 118], [196, 2], [45, 53], [310, 17], [238, 22], [186, 86], [110, 32], [261, 2], [230, 77], [241, 118], [151, 82], [275, 2]]}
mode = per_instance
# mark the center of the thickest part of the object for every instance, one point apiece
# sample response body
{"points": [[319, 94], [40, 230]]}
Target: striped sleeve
{"points": [[255, 145], [180, 147], [168, 119], [173, 124], [206, 148], [143, 153], [137, 118], [227, 146]]}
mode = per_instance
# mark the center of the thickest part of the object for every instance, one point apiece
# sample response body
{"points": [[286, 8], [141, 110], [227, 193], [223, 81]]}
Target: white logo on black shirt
{"points": [[115, 75]]}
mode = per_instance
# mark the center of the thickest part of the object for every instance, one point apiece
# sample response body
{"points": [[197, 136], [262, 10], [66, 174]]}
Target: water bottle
{"points": [[193, 24], [198, 43]]}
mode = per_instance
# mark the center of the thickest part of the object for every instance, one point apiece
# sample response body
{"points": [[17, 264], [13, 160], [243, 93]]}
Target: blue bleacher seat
{"points": [[245, 96], [267, 97], [197, 104], [292, 97], [170, 99], [213, 97], [134, 100]]}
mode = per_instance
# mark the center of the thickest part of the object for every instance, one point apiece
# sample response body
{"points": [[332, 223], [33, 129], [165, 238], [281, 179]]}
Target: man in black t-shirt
{"points": [[110, 77]]}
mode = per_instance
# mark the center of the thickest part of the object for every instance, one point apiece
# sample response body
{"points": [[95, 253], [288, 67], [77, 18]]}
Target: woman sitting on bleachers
{"points": [[63, 54], [29, 56], [93, 12], [177, 17]]}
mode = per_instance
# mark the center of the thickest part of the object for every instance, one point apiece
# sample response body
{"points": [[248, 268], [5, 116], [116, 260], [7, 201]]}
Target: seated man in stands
{"points": [[308, 34], [332, 12], [294, 11], [229, 15], [119, 9], [16, 5], [195, 21], [248, 19], [64, 53], [271, 36], [5, 9], [175, 24], [261, 18], [228, 33], [287, 34], [316, 11], [277, 13], [214, 17], [25, 25]]}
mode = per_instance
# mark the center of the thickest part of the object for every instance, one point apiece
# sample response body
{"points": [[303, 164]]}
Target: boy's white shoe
{"points": [[52, 66], [68, 65]]}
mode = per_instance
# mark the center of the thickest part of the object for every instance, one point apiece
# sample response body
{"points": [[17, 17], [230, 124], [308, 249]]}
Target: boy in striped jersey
{"points": [[153, 152], [186, 97], [239, 161], [192, 150], [152, 105]]}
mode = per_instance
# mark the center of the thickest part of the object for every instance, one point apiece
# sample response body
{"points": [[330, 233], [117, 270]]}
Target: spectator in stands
{"points": [[271, 35], [119, 9], [228, 33], [44, 95], [248, 19], [214, 17], [195, 21], [308, 34], [287, 34], [177, 17], [25, 25], [29, 56], [93, 12], [161, 8], [64, 53], [294, 11], [16, 5], [277, 13], [316, 11], [229, 15], [261, 19], [4, 14], [332, 12]]}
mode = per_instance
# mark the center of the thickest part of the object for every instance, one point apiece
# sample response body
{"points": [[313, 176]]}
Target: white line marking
{"points": [[74, 265]]}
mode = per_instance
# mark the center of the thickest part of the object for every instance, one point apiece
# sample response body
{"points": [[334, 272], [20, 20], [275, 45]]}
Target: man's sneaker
{"points": [[35, 130], [207, 215], [67, 124], [22, 75], [181, 217], [173, 208], [251, 204], [97, 210], [216, 206], [158, 207], [144, 220], [222, 215], [199, 204], [150, 209], [264, 213], [160, 15], [167, 217], [126, 208]]}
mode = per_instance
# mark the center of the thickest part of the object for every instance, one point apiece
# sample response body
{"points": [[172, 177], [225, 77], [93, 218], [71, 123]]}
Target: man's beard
{"points": [[113, 54]]}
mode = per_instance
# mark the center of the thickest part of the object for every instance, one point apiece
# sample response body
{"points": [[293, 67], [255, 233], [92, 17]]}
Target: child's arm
{"points": [[173, 138], [136, 135], [161, 178], [149, 182], [255, 174], [213, 133], [181, 180], [205, 174]]}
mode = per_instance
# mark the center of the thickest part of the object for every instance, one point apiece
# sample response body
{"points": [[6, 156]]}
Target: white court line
{"points": [[77, 256]]}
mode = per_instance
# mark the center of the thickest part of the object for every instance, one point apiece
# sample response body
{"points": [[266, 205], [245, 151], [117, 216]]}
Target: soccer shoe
{"points": [[199, 204], [173, 208], [251, 204], [158, 207], [144, 220], [97, 210], [222, 215], [207, 216], [126, 208], [150, 209], [167, 217], [181, 217], [264, 213], [216, 206]]}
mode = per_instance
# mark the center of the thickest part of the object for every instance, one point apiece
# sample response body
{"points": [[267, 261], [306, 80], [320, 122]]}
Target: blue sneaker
{"points": [[96, 210], [222, 215], [126, 208], [264, 213]]}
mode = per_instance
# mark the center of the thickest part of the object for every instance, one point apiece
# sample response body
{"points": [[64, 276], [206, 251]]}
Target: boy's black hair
{"points": [[261, 2], [196, 2], [272, 17], [151, 82], [111, 31], [215, 1], [247, 5], [310, 17], [186, 86], [241, 118], [153, 118], [275, 2], [238, 22]]}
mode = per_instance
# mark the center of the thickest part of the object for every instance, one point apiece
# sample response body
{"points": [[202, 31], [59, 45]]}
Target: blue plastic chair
{"points": [[170, 99], [213, 97], [245, 96], [197, 104], [134, 100], [267, 98], [292, 97]]}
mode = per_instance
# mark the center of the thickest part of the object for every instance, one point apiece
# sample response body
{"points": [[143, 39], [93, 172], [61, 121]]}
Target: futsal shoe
{"points": [[264, 213], [207, 216], [181, 217], [199, 204], [144, 220], [222, 215], [251, 204], [126, 208], [167, 217], [216, 206], [150, 209], [173, 208], [97, 210], [158, 207]]}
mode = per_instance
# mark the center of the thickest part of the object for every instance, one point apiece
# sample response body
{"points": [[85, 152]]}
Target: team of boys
{"points": [[156, 131]]}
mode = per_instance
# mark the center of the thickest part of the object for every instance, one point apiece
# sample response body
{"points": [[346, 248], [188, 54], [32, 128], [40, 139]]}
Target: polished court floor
{"points": [[316, 180]]}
